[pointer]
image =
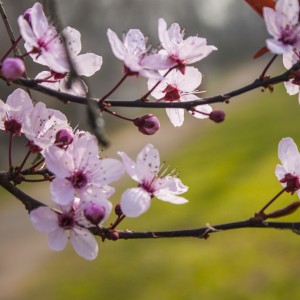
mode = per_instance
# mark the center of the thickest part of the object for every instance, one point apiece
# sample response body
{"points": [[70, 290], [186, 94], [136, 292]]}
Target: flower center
{"points": [[289, 36], [171, 93], [66, 220], [12, 126], [78, 180], [292, 183], [148, 186]]}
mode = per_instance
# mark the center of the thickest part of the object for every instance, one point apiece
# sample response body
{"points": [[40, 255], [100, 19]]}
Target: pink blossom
{"points": [[70, 222], [12, 68], [178, 87], [12, 112], [85, 65], [131, 51], [41, 124], [292, 86], [177, 51], [283, 24], [151, 183], [42, 40], [289, 172], [79, 171]]}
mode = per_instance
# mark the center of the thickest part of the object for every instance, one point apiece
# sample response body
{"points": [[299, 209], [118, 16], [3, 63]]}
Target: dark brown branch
{"points": [[204, 232], [28, 201], [258, 83]]}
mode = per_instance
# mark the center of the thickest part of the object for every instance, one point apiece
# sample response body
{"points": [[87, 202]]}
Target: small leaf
{"points": [[262, 51], [258, 5]]}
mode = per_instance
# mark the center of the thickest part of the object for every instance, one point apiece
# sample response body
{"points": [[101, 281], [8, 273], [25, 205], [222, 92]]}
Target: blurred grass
{"points": [[230, 171]]}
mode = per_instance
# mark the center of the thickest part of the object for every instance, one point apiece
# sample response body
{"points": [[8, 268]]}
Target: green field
{"points": [[229, 168]]}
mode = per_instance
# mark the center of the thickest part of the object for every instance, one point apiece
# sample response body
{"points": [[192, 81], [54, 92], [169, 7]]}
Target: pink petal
{"points": [[288, 154], [108, 171], [62, 191], [270, 19], [148, 162], [134, 202], [44, 219], [277, 47], [158, 61], [135, 42], [73, 39], [57, 239], [117, 46], [292, 89], [27, 33], [195, 49], [280, 171], [88, 64], [39, 21], [288, 11], [176, 116], [84, 243], [130, 166], [78, 87], [165, 195], [191, 79]]}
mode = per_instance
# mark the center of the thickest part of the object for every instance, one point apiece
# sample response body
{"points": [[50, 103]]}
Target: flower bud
{"points": [[217, 116], [118, 210], [113, 235], [12, 68], [63, 138], [94, 213], [147, 124]]}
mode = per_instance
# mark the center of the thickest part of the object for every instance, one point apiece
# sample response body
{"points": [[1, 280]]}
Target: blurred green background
{"points": [[228, 167]]}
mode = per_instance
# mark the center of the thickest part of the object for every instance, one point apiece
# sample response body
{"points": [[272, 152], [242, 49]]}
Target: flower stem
{"points": [[24, 161], [261, 212], [12, 47], [117, 115], [263, 74], [10, 151], [114, 88], [156, 85]]}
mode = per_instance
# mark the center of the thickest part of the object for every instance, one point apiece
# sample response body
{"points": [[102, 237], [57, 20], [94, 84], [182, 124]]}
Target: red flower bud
{"points": [[217, 116], [94, 213], [147, 124], [63, 138]]}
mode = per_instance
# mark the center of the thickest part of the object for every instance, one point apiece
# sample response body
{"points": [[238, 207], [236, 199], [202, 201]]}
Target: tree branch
{"points": [[258, 83], [29, 202]]}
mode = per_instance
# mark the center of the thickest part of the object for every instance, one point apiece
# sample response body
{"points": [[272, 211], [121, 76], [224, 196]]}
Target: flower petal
{"points": [[117, 46], [44, 219], [62, 191], [84, 243], [88, 64], [134, 202], [130, 166], [57, 239], [165, 195], [176, 116]]}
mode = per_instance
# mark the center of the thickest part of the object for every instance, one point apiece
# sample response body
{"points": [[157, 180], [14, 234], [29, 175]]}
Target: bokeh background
{"points": [[229, 168]]}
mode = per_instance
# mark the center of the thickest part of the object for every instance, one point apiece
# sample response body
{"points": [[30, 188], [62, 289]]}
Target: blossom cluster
{"points": [[81, 187], [284, 25]]}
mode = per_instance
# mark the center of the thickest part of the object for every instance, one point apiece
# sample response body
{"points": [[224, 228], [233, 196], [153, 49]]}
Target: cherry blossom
{"points": [[70, 222], [41, 124], [283, 24], [132, 52], [177, 51], [151, 183], [289, 172], [292, 86], [12, 112], [85, 65], [42, 40], [78, 170], [178, 87]]}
